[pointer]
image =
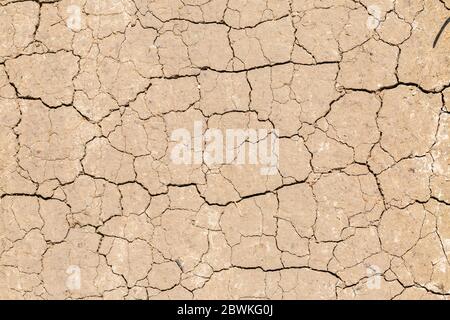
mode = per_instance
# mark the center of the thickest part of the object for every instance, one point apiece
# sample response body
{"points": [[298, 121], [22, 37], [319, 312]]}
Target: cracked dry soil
{"points": [[91, 205]]}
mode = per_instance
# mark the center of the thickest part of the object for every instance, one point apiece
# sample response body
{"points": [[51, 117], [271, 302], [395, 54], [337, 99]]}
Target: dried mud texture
{"points": [[93, 207]]}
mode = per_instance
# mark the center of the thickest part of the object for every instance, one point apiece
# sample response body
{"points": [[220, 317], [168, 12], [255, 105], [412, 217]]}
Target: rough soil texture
{"points": [[91, 205]]}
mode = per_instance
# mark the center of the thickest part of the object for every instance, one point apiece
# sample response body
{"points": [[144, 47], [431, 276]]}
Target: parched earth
{"points": [[93, 205]]}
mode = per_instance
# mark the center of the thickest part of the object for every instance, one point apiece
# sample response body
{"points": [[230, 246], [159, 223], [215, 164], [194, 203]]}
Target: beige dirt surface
{"points": [[224, 149]]}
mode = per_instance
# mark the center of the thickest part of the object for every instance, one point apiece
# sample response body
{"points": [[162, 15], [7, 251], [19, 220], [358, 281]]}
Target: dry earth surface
{"points": [[92, 204]]}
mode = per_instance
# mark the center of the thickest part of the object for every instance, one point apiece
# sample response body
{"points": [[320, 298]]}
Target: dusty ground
{"points": [[93, 205]]}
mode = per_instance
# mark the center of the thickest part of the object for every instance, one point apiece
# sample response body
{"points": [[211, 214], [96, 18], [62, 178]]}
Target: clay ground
{"points": [[93, 205]]}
